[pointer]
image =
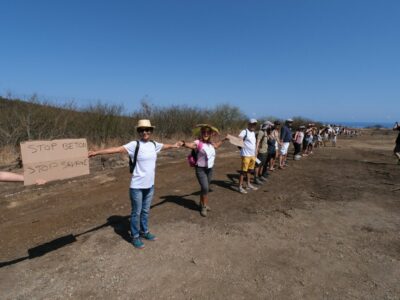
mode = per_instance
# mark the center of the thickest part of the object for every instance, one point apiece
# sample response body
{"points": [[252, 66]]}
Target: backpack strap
{"points": [[245, 136], [132, 163]]}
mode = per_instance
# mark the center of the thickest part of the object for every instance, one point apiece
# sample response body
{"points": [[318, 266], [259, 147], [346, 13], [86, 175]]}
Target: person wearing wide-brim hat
{"points": [[204, 149], [143, 153]]}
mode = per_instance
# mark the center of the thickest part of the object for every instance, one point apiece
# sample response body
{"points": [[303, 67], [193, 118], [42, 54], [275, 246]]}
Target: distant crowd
{"points": [[266, 149]]}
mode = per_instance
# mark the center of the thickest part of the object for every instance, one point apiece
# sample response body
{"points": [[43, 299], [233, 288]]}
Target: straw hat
{"points": [[197, 129], [144, 124]]}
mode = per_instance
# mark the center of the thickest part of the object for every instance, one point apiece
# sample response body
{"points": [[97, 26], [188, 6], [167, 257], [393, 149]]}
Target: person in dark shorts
{"points": [[396, 150]]}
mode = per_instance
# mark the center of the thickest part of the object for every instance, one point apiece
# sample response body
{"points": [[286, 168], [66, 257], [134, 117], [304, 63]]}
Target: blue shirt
{"points": [[286, 134]]}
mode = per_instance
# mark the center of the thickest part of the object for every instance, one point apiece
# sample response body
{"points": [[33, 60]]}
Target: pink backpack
{"points": [[192, 157]]}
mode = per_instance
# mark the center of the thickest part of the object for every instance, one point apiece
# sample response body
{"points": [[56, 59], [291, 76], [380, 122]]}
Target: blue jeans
{"points": [[140, 201]]}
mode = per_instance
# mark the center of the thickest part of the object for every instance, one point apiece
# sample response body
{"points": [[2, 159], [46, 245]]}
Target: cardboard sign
{"points": [[54, 160], [234, 140]]}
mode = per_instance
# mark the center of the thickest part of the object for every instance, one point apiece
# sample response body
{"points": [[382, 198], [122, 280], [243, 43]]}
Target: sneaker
{"points": [[262, 178], [252, 187], [257, 181], [208, 208], [149, 236], [242, 190], [137, 243], [203, 211]]}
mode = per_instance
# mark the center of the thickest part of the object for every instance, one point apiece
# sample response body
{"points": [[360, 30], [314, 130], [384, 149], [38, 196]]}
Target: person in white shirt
{"points": [[144, 155], [205, 157], [248, 154]]}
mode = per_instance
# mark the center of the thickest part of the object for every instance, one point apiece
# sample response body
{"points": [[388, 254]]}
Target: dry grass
{"points": [[9, 155]]}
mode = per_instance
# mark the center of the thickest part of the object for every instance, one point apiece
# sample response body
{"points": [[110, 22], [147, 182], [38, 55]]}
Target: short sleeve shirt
{"points": [[206, 156], [249, 142], [144, 172], [262, 139]]}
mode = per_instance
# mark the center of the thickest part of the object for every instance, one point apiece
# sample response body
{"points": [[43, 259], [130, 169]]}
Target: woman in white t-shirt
{"points": [[205, 150], [142, 182]]}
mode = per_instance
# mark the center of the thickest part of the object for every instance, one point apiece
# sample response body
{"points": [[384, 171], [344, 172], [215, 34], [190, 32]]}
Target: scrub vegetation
{"points": [[104, 124]]}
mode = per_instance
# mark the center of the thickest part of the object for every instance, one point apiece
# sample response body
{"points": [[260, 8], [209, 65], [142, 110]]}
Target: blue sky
{"points": [[327, 60]]}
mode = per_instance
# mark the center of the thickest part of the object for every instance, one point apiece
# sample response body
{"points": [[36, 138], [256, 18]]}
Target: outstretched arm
{"points": [[8, 176], [219, 143], [171, 146], [112, 150], [14, 177], [188, 145]]}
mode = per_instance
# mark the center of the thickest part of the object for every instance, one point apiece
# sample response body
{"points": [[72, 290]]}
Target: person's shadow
{"points": [[121, 224], [179, 200], [230, 184]]}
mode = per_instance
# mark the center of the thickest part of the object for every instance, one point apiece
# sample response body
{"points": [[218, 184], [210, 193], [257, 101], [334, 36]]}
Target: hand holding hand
{"points": [[179, 144]]}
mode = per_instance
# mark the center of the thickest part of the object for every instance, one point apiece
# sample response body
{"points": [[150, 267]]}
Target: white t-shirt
{"points": [[249, 148], [144, 172], [206, 156]]}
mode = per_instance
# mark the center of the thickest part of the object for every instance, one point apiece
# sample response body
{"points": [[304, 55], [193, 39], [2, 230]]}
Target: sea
{"points": [[363, 124]]}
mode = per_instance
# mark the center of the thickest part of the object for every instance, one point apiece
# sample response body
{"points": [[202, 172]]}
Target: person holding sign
{"points": [[204, 161], [143, 152], [14, 177]]}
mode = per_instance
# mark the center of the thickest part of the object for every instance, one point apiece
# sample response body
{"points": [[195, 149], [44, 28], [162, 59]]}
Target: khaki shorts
{"points": [[248, 163]]}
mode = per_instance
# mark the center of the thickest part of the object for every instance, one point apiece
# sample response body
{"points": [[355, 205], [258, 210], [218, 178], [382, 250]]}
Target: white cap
{"points": [[289, 120], [252, 121], [268, 123]]}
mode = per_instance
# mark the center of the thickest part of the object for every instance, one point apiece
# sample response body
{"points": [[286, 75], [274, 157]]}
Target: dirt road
{"points": [[327, 227]]}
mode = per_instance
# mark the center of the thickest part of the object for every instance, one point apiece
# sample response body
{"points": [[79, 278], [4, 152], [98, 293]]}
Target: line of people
{"points": [[261, 151], [269, 147], [258, 156]]}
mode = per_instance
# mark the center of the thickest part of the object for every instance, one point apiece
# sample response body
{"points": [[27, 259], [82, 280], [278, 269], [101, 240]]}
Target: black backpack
{"points": [[132, 163]]}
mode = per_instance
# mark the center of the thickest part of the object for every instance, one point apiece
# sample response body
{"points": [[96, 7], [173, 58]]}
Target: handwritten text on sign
{"points": [[54, 160]]}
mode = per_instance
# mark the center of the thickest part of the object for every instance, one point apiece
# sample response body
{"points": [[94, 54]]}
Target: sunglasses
{"points": [[206, 131], [141, 130]]}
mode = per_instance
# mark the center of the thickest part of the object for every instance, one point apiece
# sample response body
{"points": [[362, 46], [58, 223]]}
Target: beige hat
{"points": [[144, 124]]}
